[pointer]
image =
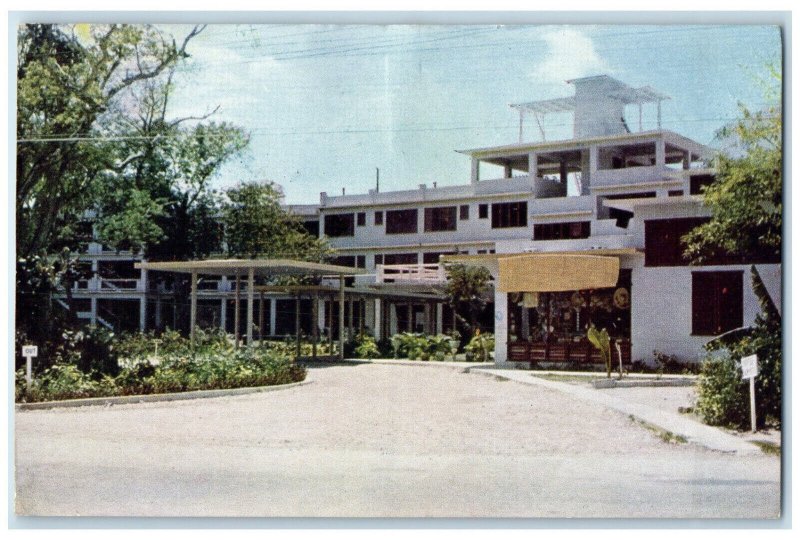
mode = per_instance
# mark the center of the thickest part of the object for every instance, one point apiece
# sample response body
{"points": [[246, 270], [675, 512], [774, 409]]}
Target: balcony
{"points": [[410, 273], [630, 175], [105, 285]]}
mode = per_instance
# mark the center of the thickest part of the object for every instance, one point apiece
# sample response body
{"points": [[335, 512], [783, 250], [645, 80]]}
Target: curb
{"points": [[694, 432], [155, 398], [465, 367], [615, 383]]}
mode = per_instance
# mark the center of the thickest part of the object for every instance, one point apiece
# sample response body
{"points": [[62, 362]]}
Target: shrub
{"points": [[422, 347], [480, 348], [723, 398], [213, 364], [367, 347]]}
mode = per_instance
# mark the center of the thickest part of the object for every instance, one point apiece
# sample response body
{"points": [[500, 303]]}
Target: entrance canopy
{"points": [[260, 267], [549, 272], [252, 268], [555, 273]]}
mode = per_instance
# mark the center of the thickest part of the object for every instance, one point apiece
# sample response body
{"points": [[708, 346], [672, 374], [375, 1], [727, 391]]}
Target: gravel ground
{"points": [[376, 440]]}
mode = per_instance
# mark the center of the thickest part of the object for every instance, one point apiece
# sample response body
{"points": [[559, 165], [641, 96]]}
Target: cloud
{"points": [[570, 54]]}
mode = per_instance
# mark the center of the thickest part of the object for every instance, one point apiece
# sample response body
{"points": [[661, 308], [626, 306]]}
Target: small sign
{"points": [[750, 367], [30, 350]]}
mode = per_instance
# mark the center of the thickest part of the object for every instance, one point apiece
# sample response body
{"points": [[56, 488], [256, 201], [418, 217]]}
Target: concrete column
{"points": [[533, 165], [158, 311], [236, 310], [351, 319], [377, 318], [392, 320], [410, 308], [273, 315], [439, 318], [687, 160], [142, 313], [507, 172], [223, 313], [427, 316], [500, 327], [594, 159], [314, 326], [193, 308], [476, 168], [341, 317], [93, 318], [250, 286], [320, 317], [661, 153], [261, 317]]}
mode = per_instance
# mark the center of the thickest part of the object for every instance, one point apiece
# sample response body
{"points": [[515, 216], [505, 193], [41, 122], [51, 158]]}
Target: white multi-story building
{"points": [[606, 192]]}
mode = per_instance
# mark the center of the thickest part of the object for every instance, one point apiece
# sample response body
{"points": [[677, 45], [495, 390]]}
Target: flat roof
{"points": [[261, 267]]}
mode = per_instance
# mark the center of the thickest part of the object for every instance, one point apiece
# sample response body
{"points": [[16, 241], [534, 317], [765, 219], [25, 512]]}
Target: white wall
{"points": [[661, 308]]}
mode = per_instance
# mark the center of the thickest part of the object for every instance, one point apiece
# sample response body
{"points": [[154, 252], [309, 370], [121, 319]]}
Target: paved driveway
{"points": [[377, 441]]}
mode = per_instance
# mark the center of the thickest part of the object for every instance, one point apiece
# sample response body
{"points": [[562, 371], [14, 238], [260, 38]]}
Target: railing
{"points": [[109, 285], [571, 352], [410, 273]]}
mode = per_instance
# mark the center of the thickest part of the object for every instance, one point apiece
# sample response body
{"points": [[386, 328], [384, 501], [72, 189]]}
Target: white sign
{"points": [[30, 350], [749, 367]]}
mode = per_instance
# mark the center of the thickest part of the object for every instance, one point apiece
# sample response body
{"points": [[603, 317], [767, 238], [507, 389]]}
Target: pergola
{"points": [[253, 268]]}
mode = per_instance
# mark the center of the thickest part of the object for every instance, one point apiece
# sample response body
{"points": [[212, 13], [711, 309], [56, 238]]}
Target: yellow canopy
{"points": [[541, 272]]}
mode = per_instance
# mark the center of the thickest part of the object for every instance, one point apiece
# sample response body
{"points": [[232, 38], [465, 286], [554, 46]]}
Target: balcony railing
{"points": [[410, 273], [96, 284]]}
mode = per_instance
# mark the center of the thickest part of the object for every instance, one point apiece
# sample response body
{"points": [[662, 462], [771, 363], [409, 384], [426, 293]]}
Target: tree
{"points": [[466, 291], [746, 198], [256, 225], [67, 86]]}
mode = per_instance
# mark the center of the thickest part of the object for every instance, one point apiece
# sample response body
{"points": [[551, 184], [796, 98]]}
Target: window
{"points": [[361, 219], [344, 260], [440, 219], [675, 193], [663, 246], [561, 231], [401, 221], [312, 227], [698, 181], [716, 302], [400, 258], [339, 225], [463, 212], [379, 217], [433, 257], [378, 259], [483, 211], [506, 215], [361, 261]]}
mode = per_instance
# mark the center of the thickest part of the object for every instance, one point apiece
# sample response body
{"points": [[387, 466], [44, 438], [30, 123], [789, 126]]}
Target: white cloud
{"points": [[570, 54]]}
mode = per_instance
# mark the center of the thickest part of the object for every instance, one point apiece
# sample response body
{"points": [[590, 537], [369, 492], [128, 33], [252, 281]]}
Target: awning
{"points": [[540, 272]]}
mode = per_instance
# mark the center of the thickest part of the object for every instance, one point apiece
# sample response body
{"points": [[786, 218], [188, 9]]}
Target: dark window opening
{"points": [[463, 212], [400, 258], [561, 231], [662, 240], [675, 193], [698, 181], [440, 219], [716, 302], [401, 221], [312, 227], [361, 219], [344, 260], [361, 261], [433, 257], [506, 215], [483, 211], [339, 225], [379, 217]]}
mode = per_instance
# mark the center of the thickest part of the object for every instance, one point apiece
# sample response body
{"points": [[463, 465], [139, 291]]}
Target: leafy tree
{"points": [[257, 226], [746, 198], [66, 87], [466, 291]]}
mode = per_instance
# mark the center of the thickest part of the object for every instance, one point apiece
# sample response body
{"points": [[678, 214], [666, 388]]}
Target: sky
{"points": [[325, 105]]}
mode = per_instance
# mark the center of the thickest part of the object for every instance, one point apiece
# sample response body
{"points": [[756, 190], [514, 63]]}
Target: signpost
{"points": [[29, 352], [750, 371]]}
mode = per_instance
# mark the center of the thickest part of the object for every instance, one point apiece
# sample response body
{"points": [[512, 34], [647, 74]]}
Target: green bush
{"points": [[723, 398], [213, 364], [480, 348], [422, 347], [367, 347]]}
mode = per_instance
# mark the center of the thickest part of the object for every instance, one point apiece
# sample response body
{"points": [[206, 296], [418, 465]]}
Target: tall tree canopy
{"points": [[256, 225], [746, 199]]}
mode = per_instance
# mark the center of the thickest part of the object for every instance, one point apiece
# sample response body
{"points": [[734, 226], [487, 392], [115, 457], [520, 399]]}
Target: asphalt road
{"points": [[377, 441]]}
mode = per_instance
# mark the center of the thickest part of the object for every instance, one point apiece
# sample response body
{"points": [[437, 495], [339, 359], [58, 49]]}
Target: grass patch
{"points": [[663, 434], [769, 448]]}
